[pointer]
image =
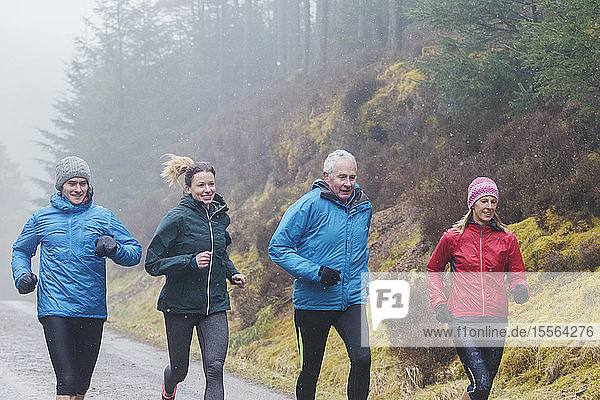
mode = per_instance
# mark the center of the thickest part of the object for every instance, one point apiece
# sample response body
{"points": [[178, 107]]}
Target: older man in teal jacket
{"points": [[322, 242], [75, 237]]}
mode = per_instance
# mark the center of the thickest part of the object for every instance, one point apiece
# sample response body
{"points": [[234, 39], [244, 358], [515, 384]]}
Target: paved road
{"points": [[126, 369]]}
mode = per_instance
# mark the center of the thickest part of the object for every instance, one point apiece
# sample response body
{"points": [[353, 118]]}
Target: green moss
{"points": [[554, 373], [399, 88], [255, 332], [136, 314], [431, 121], [374, 236], [428, 51], [272, 357], [594, 157], [443, 391], [560, 236], [440, 143], [405, 242], [273, 360], [408, 83], [322, 125], [247, 261]]}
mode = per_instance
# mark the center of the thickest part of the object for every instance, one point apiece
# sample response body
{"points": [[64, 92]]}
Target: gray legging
{"points": [[213, 336]]}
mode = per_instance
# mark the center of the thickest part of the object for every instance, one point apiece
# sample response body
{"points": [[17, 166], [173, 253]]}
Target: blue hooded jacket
{"points": [[72, 280], [319, 230]]}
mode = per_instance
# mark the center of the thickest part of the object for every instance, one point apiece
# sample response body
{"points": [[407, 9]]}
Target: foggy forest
{"points": [[427, 95]]}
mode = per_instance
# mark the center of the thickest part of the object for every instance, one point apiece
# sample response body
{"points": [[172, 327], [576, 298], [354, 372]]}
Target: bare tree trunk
{"points": [[306, 35], [322, 23], [120, 72], [280, 37], [198, 16], [394, 42], [239, 51], [284, 36], [221, 62], [293, 34], [248, 12], [363, 22]]}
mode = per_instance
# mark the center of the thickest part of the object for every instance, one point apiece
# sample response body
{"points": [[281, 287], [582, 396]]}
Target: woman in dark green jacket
{"points": [[189, 248]]}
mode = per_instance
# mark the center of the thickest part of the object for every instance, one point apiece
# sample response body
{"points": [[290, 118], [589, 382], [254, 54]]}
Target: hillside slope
{"points": [[415, 163]]}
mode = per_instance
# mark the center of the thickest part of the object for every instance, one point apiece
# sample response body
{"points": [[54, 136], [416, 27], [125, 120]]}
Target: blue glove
{"points": [[27, 283]]}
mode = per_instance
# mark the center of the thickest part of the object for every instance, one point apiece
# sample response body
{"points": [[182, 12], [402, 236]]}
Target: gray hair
{"points": [[334, 157]]}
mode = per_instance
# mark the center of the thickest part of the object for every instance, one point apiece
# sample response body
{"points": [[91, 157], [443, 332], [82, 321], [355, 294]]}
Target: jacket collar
{"points": [[357, 197], [217, 205], [492, 225], [61, 203]]}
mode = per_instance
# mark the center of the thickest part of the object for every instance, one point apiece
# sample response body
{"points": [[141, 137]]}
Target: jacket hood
{"points": [[357, 198], [217, 203], [60, 202]]}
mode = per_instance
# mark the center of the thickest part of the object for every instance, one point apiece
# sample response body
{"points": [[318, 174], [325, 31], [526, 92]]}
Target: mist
{"points": [[36, 43]]}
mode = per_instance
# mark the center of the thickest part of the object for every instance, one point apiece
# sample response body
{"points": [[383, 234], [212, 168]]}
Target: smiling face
{"points": [[341, 181], [75, 190], [484, 209], [202, 187]]}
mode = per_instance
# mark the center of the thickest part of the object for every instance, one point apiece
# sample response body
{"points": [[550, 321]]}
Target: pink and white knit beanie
{"points": [[481, 186]]}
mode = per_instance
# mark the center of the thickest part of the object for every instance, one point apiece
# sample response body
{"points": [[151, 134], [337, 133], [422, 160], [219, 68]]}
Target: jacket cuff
{"points": [[18, 279], [117, 255], [193, 262], [316, 276]]}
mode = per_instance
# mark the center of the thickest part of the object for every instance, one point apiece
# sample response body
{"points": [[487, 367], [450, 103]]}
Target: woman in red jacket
{"points": [[481, 252]]}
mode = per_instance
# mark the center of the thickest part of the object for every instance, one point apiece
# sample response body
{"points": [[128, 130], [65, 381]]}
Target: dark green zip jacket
{"points": [[186, 230]]}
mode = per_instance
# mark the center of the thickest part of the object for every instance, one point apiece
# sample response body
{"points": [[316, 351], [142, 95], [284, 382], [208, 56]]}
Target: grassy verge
{"points": [[266, 352]]}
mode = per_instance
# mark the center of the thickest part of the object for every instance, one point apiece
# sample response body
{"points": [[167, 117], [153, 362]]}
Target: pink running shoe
{"points": [[166, 396]]}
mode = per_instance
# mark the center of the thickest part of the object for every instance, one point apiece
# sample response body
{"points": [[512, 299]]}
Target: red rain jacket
{"points": [[480, 259]]}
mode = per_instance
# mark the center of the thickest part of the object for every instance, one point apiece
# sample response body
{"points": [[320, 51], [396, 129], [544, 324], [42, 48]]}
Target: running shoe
{"points": [[166, 396]]}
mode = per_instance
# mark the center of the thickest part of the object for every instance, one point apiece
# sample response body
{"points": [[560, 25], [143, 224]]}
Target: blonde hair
{"points": [[461, 224], [175, 166]]}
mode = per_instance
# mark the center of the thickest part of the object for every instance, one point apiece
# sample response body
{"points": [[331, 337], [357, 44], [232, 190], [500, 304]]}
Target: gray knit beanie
{"points": [[71, 167]]}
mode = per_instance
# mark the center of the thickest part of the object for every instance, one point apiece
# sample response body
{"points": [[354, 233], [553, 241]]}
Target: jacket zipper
{"points": [[70, 235], [350, 212], [482, 277], [346, 262], [212, 248]]}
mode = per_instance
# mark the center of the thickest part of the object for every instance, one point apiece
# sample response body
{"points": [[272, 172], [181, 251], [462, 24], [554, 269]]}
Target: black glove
{"points": [[329, 276], [442, 314], [520, 293], [27, 283], [105, 246]]}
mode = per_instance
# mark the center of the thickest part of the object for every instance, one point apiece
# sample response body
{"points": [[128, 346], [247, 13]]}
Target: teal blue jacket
{"points": [[72, 280], [186, 230], [319, 230]]}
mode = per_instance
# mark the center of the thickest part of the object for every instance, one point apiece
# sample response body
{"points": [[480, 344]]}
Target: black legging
{"points": [[213, 336], [73, 344], [480, 357], [312, 329]]}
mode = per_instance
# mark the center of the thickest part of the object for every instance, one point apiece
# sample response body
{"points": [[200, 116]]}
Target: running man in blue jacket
{"points": [[322, 242], [75, 237]]}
